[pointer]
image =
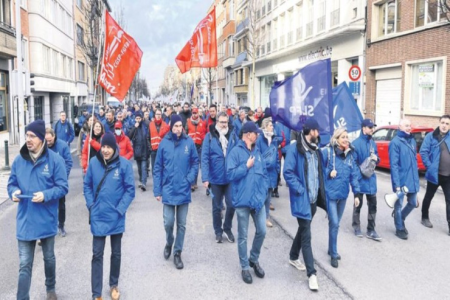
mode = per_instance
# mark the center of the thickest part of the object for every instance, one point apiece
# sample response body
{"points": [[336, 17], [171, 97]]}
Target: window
{"points": [[81, 71], [80, 36], [389, 18], [55, 63], [46, 59], [25, 53], [64, 66], [5, 12], [380, 135], [230, 45], [80, 4], [70, 67], [310, 18], [335, 12], [3, 103], [232, 10], [321, 16], [427, 90], [23, 3], [429, 11], [39, 108]]}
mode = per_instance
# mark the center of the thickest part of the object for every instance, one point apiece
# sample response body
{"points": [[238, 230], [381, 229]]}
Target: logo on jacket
{"points": [[186, 150], [116, 174], [46, 170]]}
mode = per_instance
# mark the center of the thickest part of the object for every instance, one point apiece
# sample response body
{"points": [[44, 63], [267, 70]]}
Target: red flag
{"points": [[121, 60], [201, 49]]}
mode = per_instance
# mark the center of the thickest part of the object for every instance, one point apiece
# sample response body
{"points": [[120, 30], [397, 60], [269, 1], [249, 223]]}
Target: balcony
{"points": [[299, 34], [241, 89], [241, 28], [290, 37], [309, 29], [8, 46], [242, 57], [334, 17], [228, 62]]}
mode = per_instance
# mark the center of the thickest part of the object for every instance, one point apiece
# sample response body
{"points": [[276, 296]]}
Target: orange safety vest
{"points": [[156, 136], [196, 132]]}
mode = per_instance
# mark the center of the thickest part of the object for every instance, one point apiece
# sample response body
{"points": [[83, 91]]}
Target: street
{"points": [[391, 269]]}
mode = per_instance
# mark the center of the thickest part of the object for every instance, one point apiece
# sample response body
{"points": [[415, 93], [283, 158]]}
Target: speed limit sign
{"points": [[354, 73]]}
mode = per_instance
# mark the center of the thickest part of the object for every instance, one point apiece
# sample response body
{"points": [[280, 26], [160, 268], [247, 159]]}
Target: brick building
{"points": [[407, 49]]}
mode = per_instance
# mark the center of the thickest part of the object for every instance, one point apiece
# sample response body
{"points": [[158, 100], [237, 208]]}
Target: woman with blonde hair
{"points": [[341, 171]]}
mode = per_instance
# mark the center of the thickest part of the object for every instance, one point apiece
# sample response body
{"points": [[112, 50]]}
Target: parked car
{"points": [[383, 135]]}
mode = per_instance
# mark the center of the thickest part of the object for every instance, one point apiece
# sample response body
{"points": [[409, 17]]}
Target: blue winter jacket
{"points": [[363, 146], [64, 131], [430, 151], [295, 173], [249, 187], [107, 211], [403, 161], [36, 221], [213, 160], [287, 135], [270, 156], [63, 150], [348, 173], [175, 170]]}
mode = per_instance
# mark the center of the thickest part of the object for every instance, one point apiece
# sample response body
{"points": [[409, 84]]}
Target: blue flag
{"points": [[345, 110], [306, 94]]}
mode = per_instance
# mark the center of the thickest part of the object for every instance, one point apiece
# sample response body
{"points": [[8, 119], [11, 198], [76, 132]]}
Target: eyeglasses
{"points": [[30, 136], [157, 114], [223, 122]]}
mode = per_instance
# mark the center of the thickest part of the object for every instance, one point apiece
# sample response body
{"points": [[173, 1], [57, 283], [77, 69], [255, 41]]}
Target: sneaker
{"points": [[296, 263], [39, 243], [373, 235], [229, 235], [427, 223], [219, 238], [271, 207], [115, 294], [273, 195], [358, 233], [140, 185], [192, 189], [269, 224], [402, 234], [98, 298], [334, 262], [277, 195], [313, 285], [143, 188], [51, 295]]}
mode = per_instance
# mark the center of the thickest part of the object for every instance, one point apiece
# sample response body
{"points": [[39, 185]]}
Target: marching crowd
{"points": [[241, 154]]}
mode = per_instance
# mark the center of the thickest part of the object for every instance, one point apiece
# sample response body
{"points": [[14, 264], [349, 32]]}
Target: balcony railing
{"points": [[263, 48], [275, 44], [309, 29], [7, 28], [299, 34], [241, 26], [282, 41], [321, 24], [290, 37], [334, 17]]}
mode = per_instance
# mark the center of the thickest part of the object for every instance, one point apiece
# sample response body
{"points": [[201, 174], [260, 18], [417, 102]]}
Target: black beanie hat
{"points": [[173, 119], [38, 128], [108, 139]]}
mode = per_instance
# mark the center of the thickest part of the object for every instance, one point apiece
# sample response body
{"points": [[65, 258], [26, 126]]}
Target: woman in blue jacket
{"points": [[267, 144], [341, 171]]}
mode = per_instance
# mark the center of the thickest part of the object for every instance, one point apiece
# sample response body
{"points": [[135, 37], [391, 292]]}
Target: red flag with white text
{"points": [[121, 60], [201, 49]]}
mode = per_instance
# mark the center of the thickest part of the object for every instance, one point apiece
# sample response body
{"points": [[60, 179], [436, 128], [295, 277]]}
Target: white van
{"points": [[113, 102]]}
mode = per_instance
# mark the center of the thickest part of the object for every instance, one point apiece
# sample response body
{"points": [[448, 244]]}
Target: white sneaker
{"points": [[297, 264], [313, 285]]}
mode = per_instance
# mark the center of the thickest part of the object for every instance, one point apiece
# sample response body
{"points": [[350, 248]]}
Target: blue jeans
{"points": [[169, 221], [335, 211], [142, 171], [153, 158], [98, 247], [26, 256], [218, 192], [399, 214], [243, 216], [267, 202], [199, 153]]}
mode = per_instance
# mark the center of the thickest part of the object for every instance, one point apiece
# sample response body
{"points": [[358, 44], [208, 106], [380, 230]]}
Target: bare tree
{"points": [[255, 38], [444, 6]]}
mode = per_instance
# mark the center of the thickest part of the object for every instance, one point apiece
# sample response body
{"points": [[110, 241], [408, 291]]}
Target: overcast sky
{"points": [[161, 28]]}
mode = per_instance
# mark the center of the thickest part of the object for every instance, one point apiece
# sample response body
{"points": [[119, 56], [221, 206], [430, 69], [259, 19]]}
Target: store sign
{"points": [[427, 76], [320, 53]]}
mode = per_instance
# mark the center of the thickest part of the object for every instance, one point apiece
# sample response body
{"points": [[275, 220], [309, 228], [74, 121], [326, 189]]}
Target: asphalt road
{"points": [[211, 270]]}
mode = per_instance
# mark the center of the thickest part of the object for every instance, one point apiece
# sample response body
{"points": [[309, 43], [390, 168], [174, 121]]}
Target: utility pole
{"points": [[21, 120]]}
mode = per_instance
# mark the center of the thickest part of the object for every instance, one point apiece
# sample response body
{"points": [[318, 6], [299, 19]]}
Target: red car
{"points": [[384, 134]]}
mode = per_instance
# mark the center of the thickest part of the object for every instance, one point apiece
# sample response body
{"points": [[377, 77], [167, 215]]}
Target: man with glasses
{"points": [[38, 180], [141, 145], [196, 129], [366, 148], [247, 175], [64, 130], [157, 129]]}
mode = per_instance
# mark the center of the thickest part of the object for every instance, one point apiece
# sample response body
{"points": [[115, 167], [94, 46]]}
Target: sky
{"points": [[161, 28]]}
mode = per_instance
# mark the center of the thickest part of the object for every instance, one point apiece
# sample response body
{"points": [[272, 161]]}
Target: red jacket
{"points": [[84, 154], [155, 136], [209, 122], [196, 132], [125, 148]]}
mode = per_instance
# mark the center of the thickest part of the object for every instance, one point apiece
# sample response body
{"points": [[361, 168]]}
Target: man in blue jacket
{"points": [[63, 129], [108, 190], [435, 152], [366, 148], [38, 180], [216, 145], [176, 167], [247, 175], [403, 160], [62, 149], [304, 173]]}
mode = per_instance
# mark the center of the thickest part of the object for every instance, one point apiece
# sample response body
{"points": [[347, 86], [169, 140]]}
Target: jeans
{"points": [[267, 202], [372, 205], [399, 214], [142, 171], [199, 153], [26, 256], [444, 182], [335, 211], [169, 221], [243, 215], [153, 158], [62, 211], [302, 241], [98, 247], [218, 192]]}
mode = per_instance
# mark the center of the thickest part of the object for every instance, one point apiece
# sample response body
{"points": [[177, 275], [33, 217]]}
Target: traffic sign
{"points": [[354, 73]]}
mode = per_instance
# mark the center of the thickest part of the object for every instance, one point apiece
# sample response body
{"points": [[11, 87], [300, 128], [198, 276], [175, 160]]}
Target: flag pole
{"points": [[102, 35]]}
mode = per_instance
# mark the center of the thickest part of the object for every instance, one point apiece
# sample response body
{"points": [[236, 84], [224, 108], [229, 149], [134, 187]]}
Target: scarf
{"points": [[223, 140], [158, 122], [195, 121], [35, 156], [268, 135]]}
